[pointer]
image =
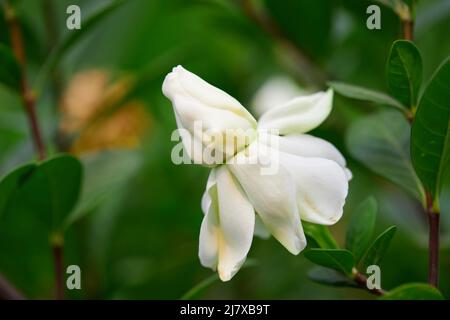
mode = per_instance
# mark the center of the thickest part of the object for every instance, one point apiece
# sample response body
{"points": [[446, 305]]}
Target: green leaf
{"points": [[48, 190], [102, 181], [381, 142], [360, 228], [330, 277], [413, 291], [360, 93], [379, 247], [404, 72], [320, 234], [11, 183], [337, 259], [73, 37], [430, 135], [10, 69]]}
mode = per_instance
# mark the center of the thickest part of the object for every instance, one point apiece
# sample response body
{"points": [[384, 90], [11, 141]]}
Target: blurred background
{"points": [[138, 219]]}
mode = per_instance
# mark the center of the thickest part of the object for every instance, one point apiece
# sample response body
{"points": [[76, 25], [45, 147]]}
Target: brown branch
{"points": [[361, 280], [433, 242], [408, 27], [59, 277], [26, 93], [8, 291], [307, 71], [29, 102]]}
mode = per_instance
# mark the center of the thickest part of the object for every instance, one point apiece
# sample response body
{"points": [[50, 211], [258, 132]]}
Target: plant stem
{"points": [[58, 262], [433, 215], [433, 242], [7, 290], [307, 71], [29, 103], [408, 27], [361, 280], [26, 93]]}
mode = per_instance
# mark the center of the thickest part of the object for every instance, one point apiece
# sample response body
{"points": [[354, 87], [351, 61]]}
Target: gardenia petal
{"points": [[298, 115], [321, 187], [197, 102], [306, 145], [227, 229], [272, 195]]}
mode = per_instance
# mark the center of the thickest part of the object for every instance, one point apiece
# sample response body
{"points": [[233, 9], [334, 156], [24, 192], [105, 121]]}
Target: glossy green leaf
{"points": [[430, 134], [330, 277], [381, 142], [320, 234], [404, 72], [102, 181], [9, 70], [379, 247], [413, 291], [337, 259], [361, 226], [48, 190], [361, 93], [11, 183]]}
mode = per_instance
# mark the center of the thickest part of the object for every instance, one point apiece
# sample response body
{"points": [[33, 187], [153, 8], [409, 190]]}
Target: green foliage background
{"points": [[136, 228]]}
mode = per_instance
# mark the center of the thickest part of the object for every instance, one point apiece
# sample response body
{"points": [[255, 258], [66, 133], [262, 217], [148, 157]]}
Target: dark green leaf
{"points": [[329, 277], [360, 229], [404, 72], [381, 142], [413, 291], [340, 260], [320, 234], [360, 93], [430, 136], [102, 181], [379, 247], [48, 190], [9, 70], [11, 183]]}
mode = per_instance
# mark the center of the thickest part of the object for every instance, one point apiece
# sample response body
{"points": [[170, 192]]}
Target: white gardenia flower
{"points": [[310, 184]]}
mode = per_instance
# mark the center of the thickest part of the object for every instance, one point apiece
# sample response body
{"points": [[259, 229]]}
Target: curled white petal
{"points": [[273, 196], [308, 146], [207, 112], [298, 115], [321, 187], [227, 229]]}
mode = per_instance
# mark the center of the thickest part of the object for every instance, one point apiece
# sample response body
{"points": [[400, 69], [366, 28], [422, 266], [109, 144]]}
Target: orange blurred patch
{"points": [[95, 116]]}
